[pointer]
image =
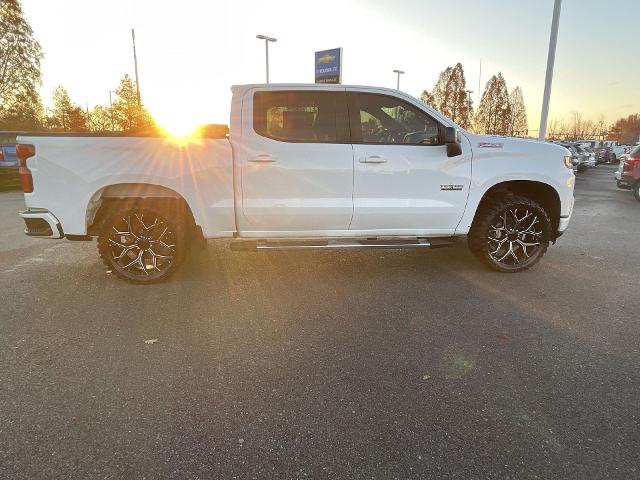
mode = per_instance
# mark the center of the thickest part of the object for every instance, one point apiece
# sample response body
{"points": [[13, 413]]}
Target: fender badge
{"points": [[489, 145], [451, 187]]}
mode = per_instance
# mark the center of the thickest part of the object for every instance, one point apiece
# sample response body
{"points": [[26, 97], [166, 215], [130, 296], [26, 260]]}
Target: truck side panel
{"points": [[499, 160], [70, 173]]}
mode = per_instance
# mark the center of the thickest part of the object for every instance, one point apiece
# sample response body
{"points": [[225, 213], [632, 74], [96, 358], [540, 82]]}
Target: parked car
{"points": [[623, 157], [625, 153], [8, 157], [616, 152], [605, 155], [304, 166], [628, 174], [580, 159], [587, 155]]}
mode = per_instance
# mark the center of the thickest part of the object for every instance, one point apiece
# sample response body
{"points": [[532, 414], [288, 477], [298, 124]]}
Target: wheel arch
{"points": [[104, 199], [542, 193]]}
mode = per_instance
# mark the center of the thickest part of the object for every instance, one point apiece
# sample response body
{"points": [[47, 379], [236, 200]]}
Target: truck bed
{"points": [[71, 172]]}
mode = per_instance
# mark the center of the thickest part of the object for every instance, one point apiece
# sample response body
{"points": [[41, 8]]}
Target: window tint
{"points": [[299, 116], [385, 119]]}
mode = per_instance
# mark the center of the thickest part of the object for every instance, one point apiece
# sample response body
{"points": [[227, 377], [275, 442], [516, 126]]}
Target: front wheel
{"points": [[143, 244], [510, 233]]}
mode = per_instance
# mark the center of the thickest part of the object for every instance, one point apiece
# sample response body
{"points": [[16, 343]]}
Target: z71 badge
{"points": [[451, 187], [490, 145]]}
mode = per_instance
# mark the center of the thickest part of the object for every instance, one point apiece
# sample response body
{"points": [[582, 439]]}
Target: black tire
{"points": [[495, 225], [143, 243], [636, 191]]}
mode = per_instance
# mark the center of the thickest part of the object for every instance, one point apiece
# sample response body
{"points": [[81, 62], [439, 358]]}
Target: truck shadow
{"points": [[369, 262]]}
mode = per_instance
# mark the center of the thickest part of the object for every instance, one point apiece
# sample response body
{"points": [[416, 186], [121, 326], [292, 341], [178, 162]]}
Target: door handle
{"points": [[264, 158], [373, 159]]}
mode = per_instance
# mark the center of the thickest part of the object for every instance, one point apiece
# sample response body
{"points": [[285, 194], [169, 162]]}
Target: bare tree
{"points": [[576, 124], [555, 129]]}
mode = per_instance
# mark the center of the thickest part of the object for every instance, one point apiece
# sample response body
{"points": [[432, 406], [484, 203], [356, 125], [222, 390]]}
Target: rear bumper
{"points": [[41, 223], [626, 182]]}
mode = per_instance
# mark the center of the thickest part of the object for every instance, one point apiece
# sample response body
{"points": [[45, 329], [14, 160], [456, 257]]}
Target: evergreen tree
{"points": [[65, 115], [20, 75], [99, 119], [128, 113]]}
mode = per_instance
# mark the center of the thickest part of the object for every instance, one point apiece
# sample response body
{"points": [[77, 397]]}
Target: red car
{"points": [[628, 175]]}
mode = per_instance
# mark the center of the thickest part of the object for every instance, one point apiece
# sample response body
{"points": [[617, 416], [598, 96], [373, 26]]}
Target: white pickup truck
{"points": [[304, 166]]}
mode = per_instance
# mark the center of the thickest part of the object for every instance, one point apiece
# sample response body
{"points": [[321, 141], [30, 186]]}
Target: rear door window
{"points": [[301, 116]]}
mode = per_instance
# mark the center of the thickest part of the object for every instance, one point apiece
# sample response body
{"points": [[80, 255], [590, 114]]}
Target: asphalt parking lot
{"points": [[327, 364]]}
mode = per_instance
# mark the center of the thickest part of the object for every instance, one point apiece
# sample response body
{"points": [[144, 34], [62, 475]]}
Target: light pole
{"points": [[135, 63], [549, 77], [469, 92], [267, 39], [111, 110], [399, 72]]}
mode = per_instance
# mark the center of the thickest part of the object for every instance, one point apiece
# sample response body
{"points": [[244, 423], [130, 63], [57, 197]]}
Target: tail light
{"points": [[630, 163], [1, 155], [24, 151]]}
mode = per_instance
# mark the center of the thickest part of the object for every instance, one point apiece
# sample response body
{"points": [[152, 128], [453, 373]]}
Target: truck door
{"points": [[295, 162], [403, 180]]}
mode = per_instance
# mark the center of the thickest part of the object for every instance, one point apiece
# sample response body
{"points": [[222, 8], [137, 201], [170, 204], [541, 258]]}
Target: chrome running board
{"points": [[286, 244]]}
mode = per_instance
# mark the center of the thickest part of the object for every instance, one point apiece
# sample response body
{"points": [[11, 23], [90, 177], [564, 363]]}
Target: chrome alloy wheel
{"points": [[142, 245], [515, 237]]}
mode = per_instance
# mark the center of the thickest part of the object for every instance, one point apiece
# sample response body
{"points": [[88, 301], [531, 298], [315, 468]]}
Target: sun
{"points": [[178, 127], [174, 121]]}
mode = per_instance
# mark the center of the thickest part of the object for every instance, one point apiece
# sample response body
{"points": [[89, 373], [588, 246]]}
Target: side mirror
{"points": [[452, 141]]}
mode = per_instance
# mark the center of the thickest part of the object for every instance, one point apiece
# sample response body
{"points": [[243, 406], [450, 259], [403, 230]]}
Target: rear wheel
{"points": [[142, 244], [510, 233]]}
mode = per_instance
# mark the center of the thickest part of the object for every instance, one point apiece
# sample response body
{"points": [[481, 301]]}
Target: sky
{"points": [[191, 51]]}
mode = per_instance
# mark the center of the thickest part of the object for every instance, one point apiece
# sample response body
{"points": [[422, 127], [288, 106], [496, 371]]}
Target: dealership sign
{"points": [[329, 66]]}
